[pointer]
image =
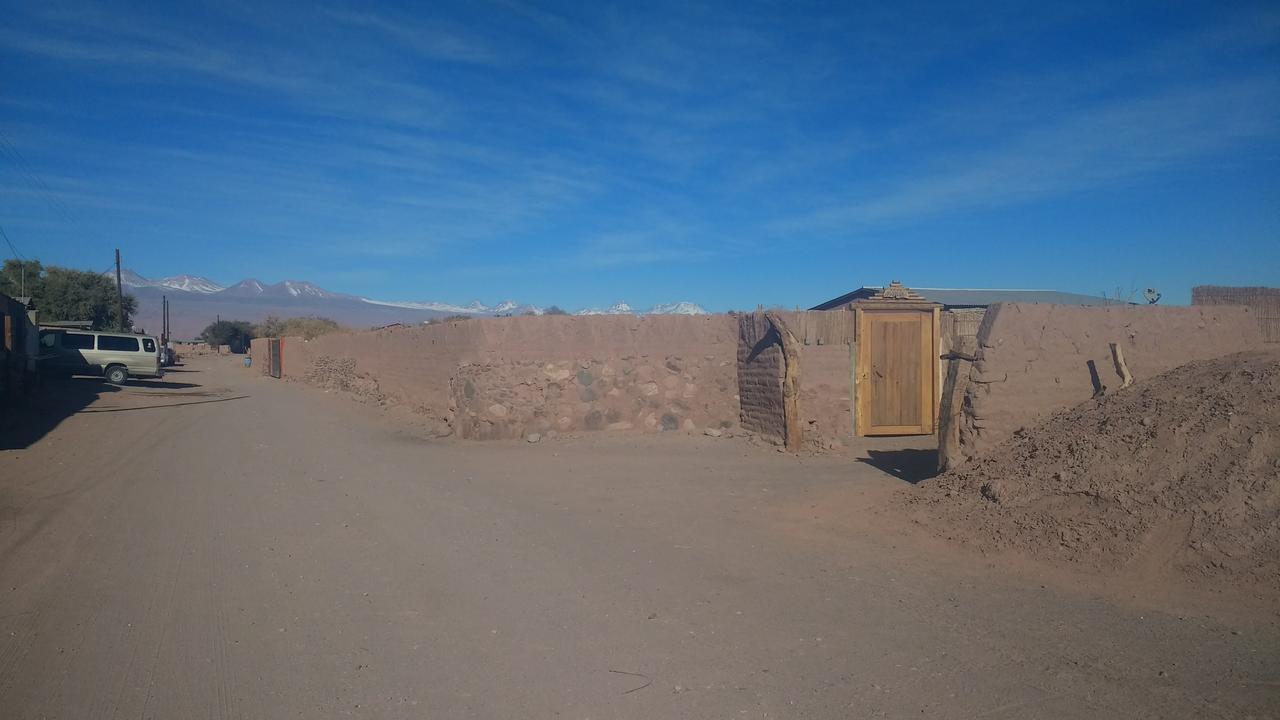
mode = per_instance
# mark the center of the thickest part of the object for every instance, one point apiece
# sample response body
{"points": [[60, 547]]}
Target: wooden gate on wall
{"points": [[274, 360], [896, 381]]}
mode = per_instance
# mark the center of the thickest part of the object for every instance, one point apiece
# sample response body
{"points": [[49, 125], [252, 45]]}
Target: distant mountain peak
{"points": [[677, 308], [299, 288], [618, 308], [129, 278], [249, 287], [191, 283], [622, 308]]}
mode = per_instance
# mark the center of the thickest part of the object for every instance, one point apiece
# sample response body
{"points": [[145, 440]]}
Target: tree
{"points": [[308, 327], [19, 277], [236, 333], [554, 310], [65, 294]]}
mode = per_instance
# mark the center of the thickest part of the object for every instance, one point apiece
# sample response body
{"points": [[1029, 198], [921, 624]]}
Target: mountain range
{"points": [[196, 301]]}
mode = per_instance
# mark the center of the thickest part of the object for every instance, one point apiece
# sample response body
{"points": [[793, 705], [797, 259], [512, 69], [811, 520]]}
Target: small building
{"points": [[968, 298], [19, 348]]}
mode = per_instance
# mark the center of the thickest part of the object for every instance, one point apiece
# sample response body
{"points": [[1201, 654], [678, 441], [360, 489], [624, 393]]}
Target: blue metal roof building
{"points": [[958, 298]]}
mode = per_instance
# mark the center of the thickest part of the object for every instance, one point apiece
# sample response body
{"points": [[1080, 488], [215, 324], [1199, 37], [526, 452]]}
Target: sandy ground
{"points": [[222, 545]]}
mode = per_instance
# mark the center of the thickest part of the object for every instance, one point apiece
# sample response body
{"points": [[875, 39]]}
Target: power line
{"points": [[32, 176], [9, 242]]}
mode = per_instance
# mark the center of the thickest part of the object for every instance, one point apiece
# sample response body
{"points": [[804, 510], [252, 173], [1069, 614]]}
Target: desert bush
{"points": [[308, 327]]}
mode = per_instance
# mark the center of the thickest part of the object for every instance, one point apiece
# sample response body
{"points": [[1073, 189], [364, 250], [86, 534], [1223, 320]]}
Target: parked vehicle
{"points": [[115, 356]]}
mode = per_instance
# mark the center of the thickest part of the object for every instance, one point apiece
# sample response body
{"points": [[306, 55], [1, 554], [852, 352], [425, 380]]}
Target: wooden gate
{"points": [[896, 380], [274, 359]]}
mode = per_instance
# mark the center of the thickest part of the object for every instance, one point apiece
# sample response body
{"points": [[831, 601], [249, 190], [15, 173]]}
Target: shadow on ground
{"points": [[57, 398], [911, 466], [162, 384], [53, 400]]}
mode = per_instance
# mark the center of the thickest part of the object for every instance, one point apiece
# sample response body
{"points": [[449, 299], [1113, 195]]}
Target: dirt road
{"points": [[222, 545]]}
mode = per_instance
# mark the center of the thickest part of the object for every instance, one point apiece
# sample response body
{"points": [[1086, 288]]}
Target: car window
{"points": [[77, 341], [148, 344], [119, 344]]}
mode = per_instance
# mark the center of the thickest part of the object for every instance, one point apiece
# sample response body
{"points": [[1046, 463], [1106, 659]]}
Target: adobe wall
{"points": [[258, 351], [1032, 360], [194, 349], [826, 390], [959, 343], [1263, 301], [760, 369], [506, 377]]}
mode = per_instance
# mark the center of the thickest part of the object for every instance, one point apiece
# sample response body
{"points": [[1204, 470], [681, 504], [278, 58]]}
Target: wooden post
{"points": [[853, 387], [936, 359], [119, 294], [861, 379], [1117, 356]]}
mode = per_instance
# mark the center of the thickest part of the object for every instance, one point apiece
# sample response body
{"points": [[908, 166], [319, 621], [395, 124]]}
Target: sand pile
{"points": [[1178, 473]]}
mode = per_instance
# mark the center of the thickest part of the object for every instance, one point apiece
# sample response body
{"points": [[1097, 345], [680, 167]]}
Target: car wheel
{"points": [[117, 374]]}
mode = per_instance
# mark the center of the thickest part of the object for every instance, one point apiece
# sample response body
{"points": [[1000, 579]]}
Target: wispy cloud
{"points": [[433, 41], [505, 135], [1109, 143]]}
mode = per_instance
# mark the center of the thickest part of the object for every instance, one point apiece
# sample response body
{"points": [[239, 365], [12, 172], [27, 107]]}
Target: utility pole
{"points": [[119, 293], [164, 319]]}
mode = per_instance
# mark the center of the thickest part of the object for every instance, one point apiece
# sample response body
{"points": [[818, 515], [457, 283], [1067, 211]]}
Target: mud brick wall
{"points": [[760, 367], [193, 348], [1032, 360], [959, 342], [826, 386], [506, 362], [258, 351]]}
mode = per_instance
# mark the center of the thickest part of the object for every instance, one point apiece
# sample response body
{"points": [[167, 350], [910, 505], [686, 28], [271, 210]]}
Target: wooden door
{"points": [[273, 351], [897, 373]]}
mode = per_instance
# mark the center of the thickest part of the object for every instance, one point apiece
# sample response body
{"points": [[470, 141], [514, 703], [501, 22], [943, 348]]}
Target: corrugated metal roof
{"points": [[974, 297]]}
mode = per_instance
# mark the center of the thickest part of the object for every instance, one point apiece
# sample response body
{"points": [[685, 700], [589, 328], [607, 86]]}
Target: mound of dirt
{"points": [[1179, 473]]}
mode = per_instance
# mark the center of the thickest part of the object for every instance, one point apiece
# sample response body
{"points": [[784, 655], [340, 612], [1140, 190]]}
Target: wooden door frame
{"points": [[929, 318]]}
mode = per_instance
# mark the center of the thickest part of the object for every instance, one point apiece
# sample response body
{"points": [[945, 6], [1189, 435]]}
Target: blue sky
{"points": [[730, 154]]}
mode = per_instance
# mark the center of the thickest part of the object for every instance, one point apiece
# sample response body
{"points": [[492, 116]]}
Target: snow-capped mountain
{"points": [[620, 308], [426, 305], [511, 307], [185, 283], [246, 288], [196, 301], [301, 288], [677, 308], [191, 283], [475, 307], [129, 278]]}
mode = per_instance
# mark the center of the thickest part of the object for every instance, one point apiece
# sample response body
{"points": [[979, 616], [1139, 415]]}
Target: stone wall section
{"points": [[510, 399], [507, 377]]}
